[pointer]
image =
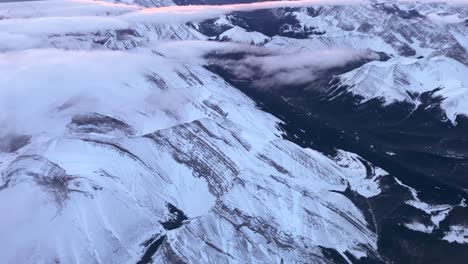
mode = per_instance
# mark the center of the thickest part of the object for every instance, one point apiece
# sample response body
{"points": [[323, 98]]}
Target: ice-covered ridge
{"points": [[404, 79], [424, 46], [400, 76]]}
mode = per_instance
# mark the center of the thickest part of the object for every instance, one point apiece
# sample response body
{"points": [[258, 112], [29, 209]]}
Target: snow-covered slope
{"points": [[238, 34], [112, 153], [119, 145], [405, 79], [434, 37]]}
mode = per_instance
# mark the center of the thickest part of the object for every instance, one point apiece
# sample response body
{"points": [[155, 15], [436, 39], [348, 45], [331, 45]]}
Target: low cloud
{"points": [[54, 8], [83, 17], [41, 89], [445, 19], [285, 69], [90, 21], [191, 13], [450, 2], [264, 67], [43, 83]]}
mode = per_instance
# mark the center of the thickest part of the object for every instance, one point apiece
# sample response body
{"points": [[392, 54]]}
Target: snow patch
{"points": [[457, 234], [415, 226], [238, 34], [392, 81], [362, 176]]}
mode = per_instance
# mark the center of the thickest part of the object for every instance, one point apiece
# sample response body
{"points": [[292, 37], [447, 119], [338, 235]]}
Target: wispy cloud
{"points": [[59, 24], [285, 69], [183, 14], [85, 16], [264, 67], [445, 19], [41, 88], [50, 8]]}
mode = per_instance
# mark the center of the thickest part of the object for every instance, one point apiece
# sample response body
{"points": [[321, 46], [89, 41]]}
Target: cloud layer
{"points": [[35, 83], [48, 22], [41, 89], [265, 67], [284, 69], [83, 16]]}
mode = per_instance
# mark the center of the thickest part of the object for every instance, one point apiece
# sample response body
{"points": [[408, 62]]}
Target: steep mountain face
{"points": [[129, 136], [404, 112]]}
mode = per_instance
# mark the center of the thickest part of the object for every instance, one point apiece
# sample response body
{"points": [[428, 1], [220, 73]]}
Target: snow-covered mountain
{"points": [[285, 132], [422, 37]]}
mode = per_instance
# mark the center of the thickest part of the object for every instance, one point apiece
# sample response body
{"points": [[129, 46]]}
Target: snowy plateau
{"points": [[160, 131]]}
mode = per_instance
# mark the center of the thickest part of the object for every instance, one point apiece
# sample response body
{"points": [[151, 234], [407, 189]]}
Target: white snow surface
{"points": [[457, 234], [437, 212], [426, 53], [122, 121], [238, 34], [396, 79], [120, 125]]}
